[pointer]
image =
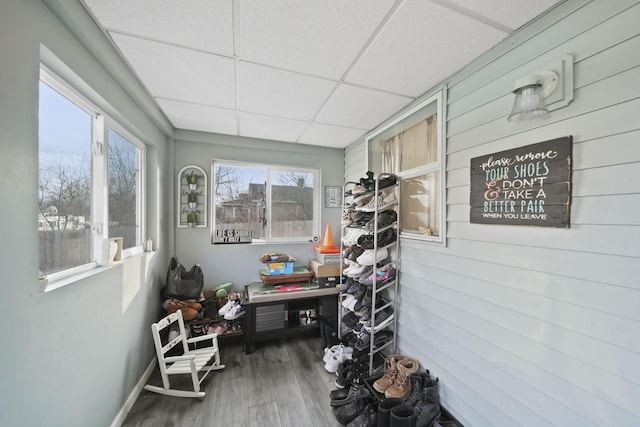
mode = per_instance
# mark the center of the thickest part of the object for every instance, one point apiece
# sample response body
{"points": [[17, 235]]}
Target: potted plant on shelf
{"points": [[192, 199], [192, 180], [192, 218]]}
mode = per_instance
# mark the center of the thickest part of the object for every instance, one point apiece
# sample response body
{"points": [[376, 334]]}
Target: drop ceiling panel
{"points": [[330, 136], [199, 117], [512, 13], [359, 107], [423, 44], [181, 74], [281, 93], [315, 37], [199, 24], [276, 128]]}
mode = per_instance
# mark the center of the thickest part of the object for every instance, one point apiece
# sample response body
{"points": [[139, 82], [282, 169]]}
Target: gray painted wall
{"points": [[70, 356], [239, 263], [525, 325]]}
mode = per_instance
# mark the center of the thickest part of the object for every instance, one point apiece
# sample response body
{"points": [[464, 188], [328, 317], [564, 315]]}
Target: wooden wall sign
{"points": [[528, 185]]}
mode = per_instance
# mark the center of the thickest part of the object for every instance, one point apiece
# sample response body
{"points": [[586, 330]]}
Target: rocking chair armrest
{"points": [[202, 338], [180, 358]]}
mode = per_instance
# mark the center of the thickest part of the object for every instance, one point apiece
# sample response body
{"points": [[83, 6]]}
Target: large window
{"points": [[267, 203], [412, 148], [90, 182]]}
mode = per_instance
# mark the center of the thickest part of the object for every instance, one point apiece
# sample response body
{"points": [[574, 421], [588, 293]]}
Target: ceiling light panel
{"points": [[330, 136], [181, 74], [419, 48], [511, 13], [199, 24], [275, 128], [199, 117], [281, 93], [359, 107], [315, 37]]}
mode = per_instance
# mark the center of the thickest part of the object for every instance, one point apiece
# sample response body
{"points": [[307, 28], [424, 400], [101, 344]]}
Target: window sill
{"points": [[45, 286]]}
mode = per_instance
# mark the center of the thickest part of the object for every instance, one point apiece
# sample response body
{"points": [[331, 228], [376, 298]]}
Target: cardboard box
{"points": [[329, 258], [279, 268], [324, 270]]}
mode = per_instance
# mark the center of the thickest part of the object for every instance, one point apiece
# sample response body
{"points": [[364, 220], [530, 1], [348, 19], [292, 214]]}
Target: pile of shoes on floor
{"points": [[403, 396]]}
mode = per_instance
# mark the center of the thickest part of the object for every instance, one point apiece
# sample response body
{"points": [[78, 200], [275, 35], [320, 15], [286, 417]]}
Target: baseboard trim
{"points": [[133, 396]]}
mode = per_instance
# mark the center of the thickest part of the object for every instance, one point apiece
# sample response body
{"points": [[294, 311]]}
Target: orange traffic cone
{"points": [[327, 246]]}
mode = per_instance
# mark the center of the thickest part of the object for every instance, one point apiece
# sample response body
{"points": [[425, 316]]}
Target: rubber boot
{"points": [[384, 411], [401, 386], [403, 416], [428, 407]]}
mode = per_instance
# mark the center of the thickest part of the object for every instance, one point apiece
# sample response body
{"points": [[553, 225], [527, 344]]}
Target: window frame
{"points": [[403, 122], [100, 123], [269, 168]]}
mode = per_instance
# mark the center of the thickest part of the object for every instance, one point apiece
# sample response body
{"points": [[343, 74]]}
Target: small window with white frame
{"points": [[90, 182], [412, 147], [264, 203]]}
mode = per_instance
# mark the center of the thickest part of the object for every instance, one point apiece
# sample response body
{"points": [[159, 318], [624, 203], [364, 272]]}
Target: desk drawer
{"points": [[270, 317]]}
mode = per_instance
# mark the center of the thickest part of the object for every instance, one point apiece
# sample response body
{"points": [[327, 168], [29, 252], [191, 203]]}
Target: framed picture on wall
{"points": [[332, 197]]}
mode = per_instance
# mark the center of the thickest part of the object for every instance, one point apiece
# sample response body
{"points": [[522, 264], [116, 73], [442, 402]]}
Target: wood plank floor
{"points": [[282, 383]]}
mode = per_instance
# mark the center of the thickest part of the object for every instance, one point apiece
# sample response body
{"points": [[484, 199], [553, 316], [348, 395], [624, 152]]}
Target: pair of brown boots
{"points": [[189, 308], [394, 383]]}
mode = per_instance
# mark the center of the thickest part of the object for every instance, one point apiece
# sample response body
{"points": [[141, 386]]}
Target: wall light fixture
{"points": [[531, 92], [543, 91]]}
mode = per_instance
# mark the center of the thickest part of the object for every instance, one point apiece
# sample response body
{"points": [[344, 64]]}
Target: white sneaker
{"points": [[235, 311], [329, 352], [381, 202], [335, 360], [367, 257], [223, 310]]}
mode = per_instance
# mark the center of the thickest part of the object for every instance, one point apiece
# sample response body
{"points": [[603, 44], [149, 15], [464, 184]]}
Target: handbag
{"points": [[183, 284]]}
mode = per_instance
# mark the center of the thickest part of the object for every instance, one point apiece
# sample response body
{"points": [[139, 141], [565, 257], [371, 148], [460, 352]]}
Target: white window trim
{"points": [[440, 97], [317, 197], [100, 239]]}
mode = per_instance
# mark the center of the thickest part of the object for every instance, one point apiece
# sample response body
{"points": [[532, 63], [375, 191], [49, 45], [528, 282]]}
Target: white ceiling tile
{"points": [[181, 74], [512, 13], [275, 92], [358, 107], [330, 136], [316, 37], [199, 24], [267, 127], [199, 117], [419, 48]]}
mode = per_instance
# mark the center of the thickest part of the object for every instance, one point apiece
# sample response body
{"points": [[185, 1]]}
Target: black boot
{"points": [[367, 418], [339, 393], [416, 381], [356, 391], [347, 413], [428, 407], [384, 411], [403, 416]]}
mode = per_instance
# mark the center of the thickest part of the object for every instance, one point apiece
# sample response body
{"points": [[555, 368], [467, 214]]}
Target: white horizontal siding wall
{"points": [[534, 326]]}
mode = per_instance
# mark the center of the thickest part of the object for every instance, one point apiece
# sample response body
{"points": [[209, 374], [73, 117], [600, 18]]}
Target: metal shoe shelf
{"points": [[385, 293]]}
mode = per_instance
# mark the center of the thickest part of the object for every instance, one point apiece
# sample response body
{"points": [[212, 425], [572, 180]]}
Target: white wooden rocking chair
{"points": [[190, 362]]}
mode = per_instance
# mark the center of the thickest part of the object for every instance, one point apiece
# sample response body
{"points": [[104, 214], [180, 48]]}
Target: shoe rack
{"points": [[371, 210]]}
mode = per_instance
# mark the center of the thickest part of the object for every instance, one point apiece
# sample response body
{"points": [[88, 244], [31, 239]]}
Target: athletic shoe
{"points": [[380, 202], [329, 352], [336, 359], [235, 311], [225, 308], [367, 256], [382, 320]]}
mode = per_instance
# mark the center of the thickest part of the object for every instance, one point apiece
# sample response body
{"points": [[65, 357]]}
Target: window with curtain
{"points": [[411, 147]]}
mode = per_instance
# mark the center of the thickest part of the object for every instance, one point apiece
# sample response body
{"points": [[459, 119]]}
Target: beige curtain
{"points": [[412, 148]]}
